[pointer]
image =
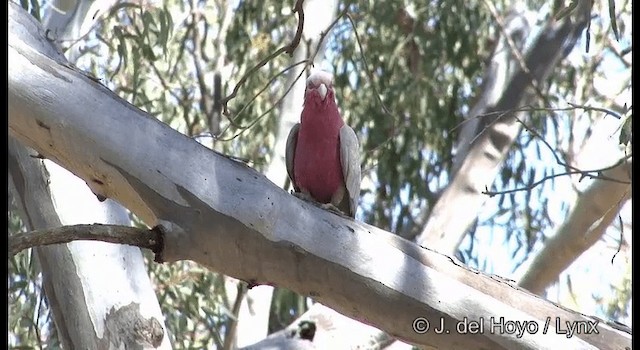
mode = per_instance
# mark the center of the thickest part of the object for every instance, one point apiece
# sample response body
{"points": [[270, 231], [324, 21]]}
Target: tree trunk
{"points": [[90, 311], [74, 274]]}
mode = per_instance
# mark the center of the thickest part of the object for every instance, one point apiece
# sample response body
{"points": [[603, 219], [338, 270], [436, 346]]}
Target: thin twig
{"points": [[621, 241], [307, 62], [394, 130], [296, 38], [285, 49], [490, 125], [553, 151], [574, 170], [206, 103], [592, 174], [529, 108], [599, 109], [232, 121], [366, 66]]}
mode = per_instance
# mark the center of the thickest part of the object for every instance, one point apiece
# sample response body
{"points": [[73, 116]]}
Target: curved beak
{"points": [[322, 90]]}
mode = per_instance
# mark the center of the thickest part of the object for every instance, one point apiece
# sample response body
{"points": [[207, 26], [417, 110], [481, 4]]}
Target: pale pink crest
{"points": [[318, 77], [320, 80]]}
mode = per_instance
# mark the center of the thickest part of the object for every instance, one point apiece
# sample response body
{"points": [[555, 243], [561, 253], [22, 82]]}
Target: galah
{"points": [[322, 154]]}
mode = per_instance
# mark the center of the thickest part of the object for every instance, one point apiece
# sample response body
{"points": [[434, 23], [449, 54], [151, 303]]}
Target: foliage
{"points": [[424, 64], [29, 325], [192, 300]]}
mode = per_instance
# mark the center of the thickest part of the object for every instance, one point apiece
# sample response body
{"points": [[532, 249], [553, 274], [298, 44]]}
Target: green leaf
{"points": [[148, 53], [24, 4], [625, 131], [612, 16], [35, 9], [566, 10], [163, 35], [149, 22], [121, 48], [122, 5]]}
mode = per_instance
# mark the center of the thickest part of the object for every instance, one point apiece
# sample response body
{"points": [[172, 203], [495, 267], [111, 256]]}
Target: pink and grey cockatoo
{"points": [[322, 154]]}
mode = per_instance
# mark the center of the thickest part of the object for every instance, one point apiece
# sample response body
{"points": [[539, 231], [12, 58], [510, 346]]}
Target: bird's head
{"points": [[319, 87]]}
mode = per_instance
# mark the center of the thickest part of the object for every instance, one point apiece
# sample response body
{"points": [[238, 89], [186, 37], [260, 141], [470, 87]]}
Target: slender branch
{"points": [[598, 109], [41, 311], [394, 131], [288, 49], [324, 33], [232, 327], [148, 239], [529, 108], [569, 166], [366, 66], [206, 102], [232, 121], [553, 151], [592, 174], [306, 62], [621, 241], [296, 39]]}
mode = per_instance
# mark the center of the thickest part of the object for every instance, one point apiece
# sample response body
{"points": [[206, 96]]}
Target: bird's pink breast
{"points": [[317, 167]]}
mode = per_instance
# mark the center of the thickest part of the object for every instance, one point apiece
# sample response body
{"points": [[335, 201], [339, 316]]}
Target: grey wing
{"points": [[290, 151], [350, 161]]}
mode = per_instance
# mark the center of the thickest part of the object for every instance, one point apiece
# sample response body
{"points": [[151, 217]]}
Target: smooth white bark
{"points": [[594, 211], [228, 217], [96, 290], [70, 20]]}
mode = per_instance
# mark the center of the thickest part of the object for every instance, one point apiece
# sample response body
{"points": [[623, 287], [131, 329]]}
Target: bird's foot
{"points": [[332, 208], [304, 196], [326, 206]]}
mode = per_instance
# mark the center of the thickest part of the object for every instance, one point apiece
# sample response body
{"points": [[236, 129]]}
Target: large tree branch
{"points": [[228, 217], [594, 211], [148, 239]]}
